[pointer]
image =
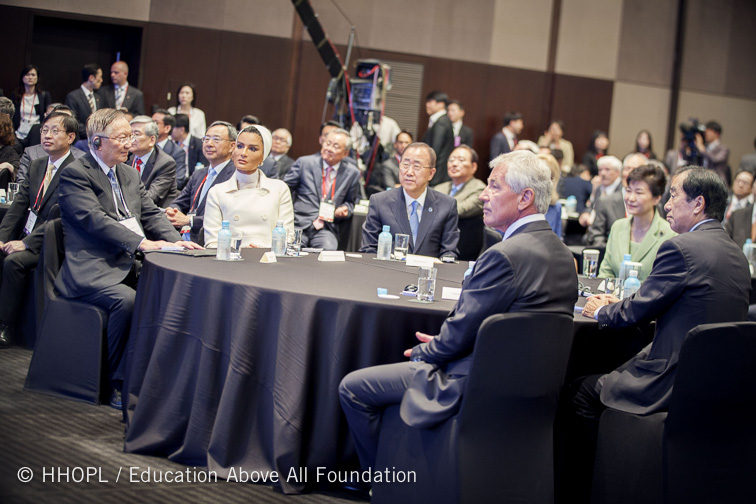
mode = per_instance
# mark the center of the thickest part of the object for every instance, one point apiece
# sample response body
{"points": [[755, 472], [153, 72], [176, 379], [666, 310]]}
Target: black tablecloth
{"points": [[237, 365]]}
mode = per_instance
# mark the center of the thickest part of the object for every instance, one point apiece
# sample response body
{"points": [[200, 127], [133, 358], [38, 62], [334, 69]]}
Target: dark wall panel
{"points": [[15, 32]]}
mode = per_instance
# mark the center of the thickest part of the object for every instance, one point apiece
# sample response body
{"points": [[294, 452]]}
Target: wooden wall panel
{"points": [[15, 32]]}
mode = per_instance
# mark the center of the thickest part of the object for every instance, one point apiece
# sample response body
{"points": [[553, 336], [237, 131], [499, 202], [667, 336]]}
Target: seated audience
{"points": [[643, 232], [464, 187], [156, 169], [529, 270], [9, 159], [31, 101], [327, 187], [428, 216], [107, 217], [22, 228], [279, 152], [609, 182], [741, 195], [188, 209], [250, 201], [740, 225], [186, 97], [165, 123], [554, 213], [597, 148]]}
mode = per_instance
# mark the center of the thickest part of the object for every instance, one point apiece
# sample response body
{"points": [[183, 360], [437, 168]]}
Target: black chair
{"points": [[470, 238], [499, 446], [704, 449], [70, 351]]}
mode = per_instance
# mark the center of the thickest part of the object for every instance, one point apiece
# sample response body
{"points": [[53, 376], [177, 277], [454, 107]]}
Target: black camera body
{"points": [[689, 131]]}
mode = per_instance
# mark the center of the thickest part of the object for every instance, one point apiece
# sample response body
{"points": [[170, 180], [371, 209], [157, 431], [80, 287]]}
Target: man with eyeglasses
{"points": [[22, 228], [279, 151], [156, 168], [326, 186], [165, 123], [107, 218], [427, 216], [189, 208], [192, 146]]}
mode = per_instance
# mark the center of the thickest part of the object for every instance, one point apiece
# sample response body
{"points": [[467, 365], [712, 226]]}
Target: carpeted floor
{"points": [[50, 436]]}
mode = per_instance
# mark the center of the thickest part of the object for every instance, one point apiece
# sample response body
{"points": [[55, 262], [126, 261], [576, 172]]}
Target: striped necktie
{"points": [[91, 99], [48, 177]]}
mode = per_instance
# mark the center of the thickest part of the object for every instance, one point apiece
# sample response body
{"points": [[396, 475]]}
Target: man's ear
{"points": [[526, 198]]}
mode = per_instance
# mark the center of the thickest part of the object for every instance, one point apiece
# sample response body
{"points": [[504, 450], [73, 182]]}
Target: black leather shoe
{"points": [[5, 340], [115, 399]]}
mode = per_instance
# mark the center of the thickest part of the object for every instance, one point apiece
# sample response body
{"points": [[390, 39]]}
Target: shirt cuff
{"points": [[595, 314]]}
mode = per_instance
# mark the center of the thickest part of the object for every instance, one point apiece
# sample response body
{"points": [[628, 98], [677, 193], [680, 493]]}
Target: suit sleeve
{"points": [[596, 236], [470, 205], [15, 217], [371, 229], [292, 177], [351, 196], [156, 225], [490, 289], [661, 289], [450, 238], [213, 216], [164, 182], [438, 136], [184, 200], [139, 104]]}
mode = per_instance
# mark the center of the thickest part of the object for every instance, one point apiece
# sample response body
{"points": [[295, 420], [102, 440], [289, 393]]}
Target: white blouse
{"points": [[197, 125]]}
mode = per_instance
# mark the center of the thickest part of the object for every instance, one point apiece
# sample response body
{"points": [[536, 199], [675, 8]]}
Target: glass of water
{"points": [[13, 188], [590, 262], [237, 238], [401, 245], [294, 243], [426, 283]]}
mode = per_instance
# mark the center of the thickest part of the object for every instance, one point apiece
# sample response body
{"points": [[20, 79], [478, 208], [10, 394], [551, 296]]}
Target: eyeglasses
{"points": [[461, 159], [122, 139], [415, 166], [214, 139], [51, 131], [280, 139]]}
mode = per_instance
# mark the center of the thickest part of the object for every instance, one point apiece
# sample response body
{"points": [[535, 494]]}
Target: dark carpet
{"points": [[58, 440]]}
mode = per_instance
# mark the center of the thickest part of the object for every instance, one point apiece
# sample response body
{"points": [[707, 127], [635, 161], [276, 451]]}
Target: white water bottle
{"points": [[384, 244], [279, 239], [224, 242]]}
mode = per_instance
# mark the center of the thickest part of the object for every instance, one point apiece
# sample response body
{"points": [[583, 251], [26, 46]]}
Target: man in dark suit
{"points": [[714, 154], [192, 146], [156, 169], [279, 151], [84, 101], [426, 215], [463, 134], [505, 140], [739, 226], [165, 123], [107, 218], [530, 270], [121, 95], [21, 231], [33, 152], [326, 188], [189, 208], [440, 134]]}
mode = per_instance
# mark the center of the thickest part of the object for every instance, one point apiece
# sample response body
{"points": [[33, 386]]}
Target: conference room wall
{"points": [[636, 107]]}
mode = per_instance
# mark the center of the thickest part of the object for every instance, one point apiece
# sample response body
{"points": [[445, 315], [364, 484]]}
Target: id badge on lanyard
{"points": [[29, 227], [327, 211], [132, 224]]}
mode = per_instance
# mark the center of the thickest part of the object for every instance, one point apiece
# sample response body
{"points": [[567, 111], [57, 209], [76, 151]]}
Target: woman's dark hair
{"points": [[651, 175], [650, 142], [7, 136], [21, 89], [194, 93], [592, 143]]}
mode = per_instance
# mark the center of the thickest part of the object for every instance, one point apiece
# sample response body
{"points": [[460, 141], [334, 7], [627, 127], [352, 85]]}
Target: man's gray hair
{"points": [[610, 162], [232, 133], [634, 155], [99, 122], [525, 170], [150, 128], [348, 143], [7, 106]]}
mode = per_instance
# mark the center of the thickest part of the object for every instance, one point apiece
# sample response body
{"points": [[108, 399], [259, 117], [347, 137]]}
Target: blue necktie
{"points": [[414, 221], [209, 182], [117, 190], [454, 191]]}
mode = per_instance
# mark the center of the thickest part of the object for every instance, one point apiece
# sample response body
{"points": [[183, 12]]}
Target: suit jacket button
{"points": [[264, 216], [236, 217]]}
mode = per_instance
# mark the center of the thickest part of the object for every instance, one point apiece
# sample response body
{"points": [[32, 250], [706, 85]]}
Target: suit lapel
{"points": [[399, 209], [146, 174], [428, 215], [54, 181]]}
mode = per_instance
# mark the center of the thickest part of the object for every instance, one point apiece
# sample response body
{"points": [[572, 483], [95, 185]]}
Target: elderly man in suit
{"points": [[84, 101], [121, 95], [326, 188], [107, 218], [156, 169], [165, 123], [279, 152], [529, 270], [189, 208], [440, 133], [428, 216], [464, 187], [21, 231]]}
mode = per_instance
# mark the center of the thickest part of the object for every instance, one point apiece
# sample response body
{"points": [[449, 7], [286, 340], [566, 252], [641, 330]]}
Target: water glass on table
{"points": [[590, 262], [13, 188], [237, 238], [294, 243], [401, 246], [426, 283]]}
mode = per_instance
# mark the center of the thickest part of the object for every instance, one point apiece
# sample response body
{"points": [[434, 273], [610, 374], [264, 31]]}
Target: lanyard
{"points": [[37, 202], [23, 104], [333, 184], [196, 194]]}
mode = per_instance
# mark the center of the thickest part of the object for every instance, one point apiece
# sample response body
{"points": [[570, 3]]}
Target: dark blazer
{"points": [[35, 152], [39, 109], [77, 101], [194, 154], [305, 180], [465, 135], [440, 136], [284, 165], [269, 168], [438, 233], [184, 200], [575, 186], [178, 155], [531, 271], [12, 227], [99, 250], [738, 226], [699, 277], [133, 101], [159, 177], [608, 209], [499, 145]]}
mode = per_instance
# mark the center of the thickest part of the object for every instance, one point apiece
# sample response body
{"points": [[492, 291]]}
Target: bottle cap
{"points": [[386, 228], [225, 224]]}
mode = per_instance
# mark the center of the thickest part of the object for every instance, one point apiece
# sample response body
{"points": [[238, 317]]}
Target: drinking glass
{"points": [[12, 190], [237, 237], [294, 242], [590, 262], [426, 283], [401, 245]]}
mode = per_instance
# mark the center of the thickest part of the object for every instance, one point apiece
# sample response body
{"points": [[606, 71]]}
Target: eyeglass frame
{"points": [[215, 139]]}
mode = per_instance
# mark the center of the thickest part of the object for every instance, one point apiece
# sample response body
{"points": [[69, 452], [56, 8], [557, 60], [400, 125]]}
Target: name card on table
{"points": [[332, 256], [451, 293], [268, 257], [420, 260]]}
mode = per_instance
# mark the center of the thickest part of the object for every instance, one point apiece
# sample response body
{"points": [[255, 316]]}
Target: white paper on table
{"points": [[421, 260], [451, 293], [332, 256], [268, 257]]}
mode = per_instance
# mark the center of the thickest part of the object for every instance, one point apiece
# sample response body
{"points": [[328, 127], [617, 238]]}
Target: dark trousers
{"points": [[364, 394], [15, 269], [118, 302], [326, 238]]}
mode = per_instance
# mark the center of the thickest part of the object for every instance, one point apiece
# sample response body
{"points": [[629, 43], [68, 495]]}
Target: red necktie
{"points": [[139, 166]]}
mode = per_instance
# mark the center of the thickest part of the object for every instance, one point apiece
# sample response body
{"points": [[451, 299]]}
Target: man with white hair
{"points": [[156, 169], [529, 270], [279, 152]]}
